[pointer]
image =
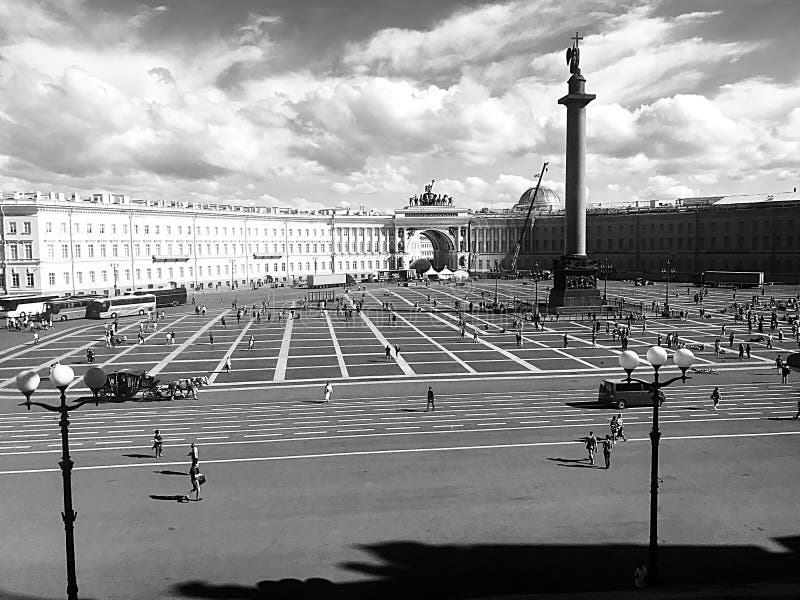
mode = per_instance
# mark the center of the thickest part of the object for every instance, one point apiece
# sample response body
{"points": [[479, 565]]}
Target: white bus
{"points": [[22, 306], [73, 307], [121, 306]]}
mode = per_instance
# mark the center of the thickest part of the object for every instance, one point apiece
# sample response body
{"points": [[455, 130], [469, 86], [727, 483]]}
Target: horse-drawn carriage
{"points": [[126, 385]]}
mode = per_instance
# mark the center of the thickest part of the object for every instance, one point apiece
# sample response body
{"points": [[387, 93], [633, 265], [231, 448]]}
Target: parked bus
{"points": [[733, 278], [73, 307], [22, 306], [166, 297], [121, 306]]}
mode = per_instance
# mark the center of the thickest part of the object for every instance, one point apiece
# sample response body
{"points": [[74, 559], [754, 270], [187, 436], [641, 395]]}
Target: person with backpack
{"points": [[591, 446]]}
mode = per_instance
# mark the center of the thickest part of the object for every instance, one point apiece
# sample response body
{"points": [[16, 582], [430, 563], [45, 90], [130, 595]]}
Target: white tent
{"points": [[430, 272], [445, 273], [460, 274]]}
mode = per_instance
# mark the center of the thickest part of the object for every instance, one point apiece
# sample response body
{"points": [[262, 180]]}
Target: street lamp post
{"points": [[496, 275], [115, 269], [233, 271], [537, 275], [62, 376], [605, 268], [668, 274], [657, 357]]}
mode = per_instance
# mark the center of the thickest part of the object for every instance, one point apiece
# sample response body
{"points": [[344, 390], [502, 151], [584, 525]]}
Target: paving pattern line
{"points": [[168, 359], [432, 341], [77, 350], [29, 345], [218, 369], [497, 349], [283, 355], [401, 362], [323, 455], [336, 347], [79, 382]]}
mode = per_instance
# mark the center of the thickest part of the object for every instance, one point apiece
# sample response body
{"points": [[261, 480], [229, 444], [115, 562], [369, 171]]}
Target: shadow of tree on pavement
{"points": [[406, 569]]}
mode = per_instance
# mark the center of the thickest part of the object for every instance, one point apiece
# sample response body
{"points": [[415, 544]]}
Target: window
{"points": [[147, 229], [28, 251], [64, 251], [104, 275], [15, 280], [13, 252], [63, 228], [79, 277], [158, 229], [102, 250], [66, 278], [158, 272], [114, 250], [138, 273], [149, 274], [12, 229], [29, 279], [26, 227], [50, 253], [88, 228], [48, 227], [91, 276], [51, 278], [124, 228], [77, 251], [102, 227]]}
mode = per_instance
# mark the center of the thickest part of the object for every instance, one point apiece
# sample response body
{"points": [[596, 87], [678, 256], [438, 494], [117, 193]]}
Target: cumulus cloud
{"points": [[471, 98]]}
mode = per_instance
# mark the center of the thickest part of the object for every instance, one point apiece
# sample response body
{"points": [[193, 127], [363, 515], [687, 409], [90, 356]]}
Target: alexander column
{"points": [[575, 274]]}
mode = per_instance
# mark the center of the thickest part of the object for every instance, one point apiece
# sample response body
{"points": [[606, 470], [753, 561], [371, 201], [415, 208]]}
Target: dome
{"points": [[546, 199]]}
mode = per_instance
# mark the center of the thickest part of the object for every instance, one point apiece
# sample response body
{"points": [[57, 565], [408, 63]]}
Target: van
{"points": [[622, 394]]}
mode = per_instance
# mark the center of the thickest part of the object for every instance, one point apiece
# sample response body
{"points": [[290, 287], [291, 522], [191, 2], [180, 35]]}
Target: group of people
{"points": [[196, 478]]}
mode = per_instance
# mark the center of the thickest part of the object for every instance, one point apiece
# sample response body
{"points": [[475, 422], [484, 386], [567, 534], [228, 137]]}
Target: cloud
{"points": [[162, 74]]}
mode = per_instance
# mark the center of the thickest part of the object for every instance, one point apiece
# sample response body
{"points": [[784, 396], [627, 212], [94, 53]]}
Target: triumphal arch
{"points": [[434, 218]]}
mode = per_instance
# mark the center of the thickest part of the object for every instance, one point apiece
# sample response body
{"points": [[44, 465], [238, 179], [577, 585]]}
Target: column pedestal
{"points": [[574, 283]]}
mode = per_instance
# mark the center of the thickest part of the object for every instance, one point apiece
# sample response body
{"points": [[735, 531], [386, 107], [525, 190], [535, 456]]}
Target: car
{"points": [[622, 394]]}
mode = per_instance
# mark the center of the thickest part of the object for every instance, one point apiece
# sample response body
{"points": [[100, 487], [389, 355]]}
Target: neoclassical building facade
{"points": [[109, 244]]}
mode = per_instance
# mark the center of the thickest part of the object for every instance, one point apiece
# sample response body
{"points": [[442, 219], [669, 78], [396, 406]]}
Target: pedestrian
{"points": [[227, 365], [640, 576], [396, 351], [35, 337], [620, 428], [715, 397], [140, 337], [474, 336], [591, 446], [785, 373], [167, 338], [388, 352], [197, 479], [741, 351], [251, 343], [608, 444], [194, 454], [172, 338], [565, 340], [158, 443], [222, 320], [747, 351], [779, 364], [328, 392], [431, 404], [730, 340], [211, 338]]}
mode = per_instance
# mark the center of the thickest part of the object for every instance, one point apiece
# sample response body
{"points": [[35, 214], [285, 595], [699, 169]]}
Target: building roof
{"points": [[546, 199]]}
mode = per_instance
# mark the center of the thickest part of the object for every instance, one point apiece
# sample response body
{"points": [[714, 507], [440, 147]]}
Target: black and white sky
{"points": [[312, 103]]}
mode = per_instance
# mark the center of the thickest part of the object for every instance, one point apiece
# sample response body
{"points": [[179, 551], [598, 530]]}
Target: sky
{"points": [[318, 103]]}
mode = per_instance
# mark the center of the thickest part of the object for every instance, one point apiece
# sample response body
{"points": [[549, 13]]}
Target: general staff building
{"points": [[110, 244]]}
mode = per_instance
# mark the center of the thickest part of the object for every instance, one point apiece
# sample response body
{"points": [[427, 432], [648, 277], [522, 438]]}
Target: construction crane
{"points": [[527, 220]]}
